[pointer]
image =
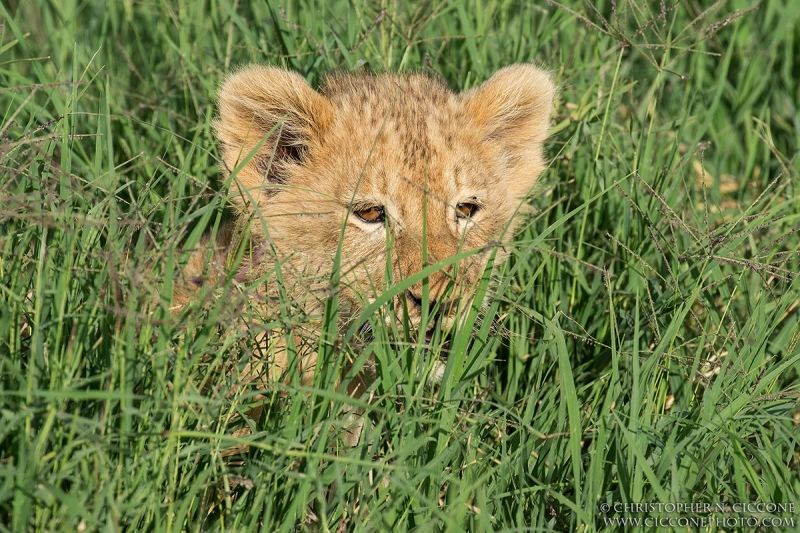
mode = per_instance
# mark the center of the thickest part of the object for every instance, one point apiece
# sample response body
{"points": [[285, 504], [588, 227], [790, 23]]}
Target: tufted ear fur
{"points": [[274, 118], [512, 110]]}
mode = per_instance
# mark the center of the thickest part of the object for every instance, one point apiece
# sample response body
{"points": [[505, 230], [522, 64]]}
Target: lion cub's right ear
{"points": [[512, 109], [269, 118]]}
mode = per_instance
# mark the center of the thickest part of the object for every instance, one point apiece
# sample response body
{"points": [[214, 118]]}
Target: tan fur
{"points": [[301, 161]]}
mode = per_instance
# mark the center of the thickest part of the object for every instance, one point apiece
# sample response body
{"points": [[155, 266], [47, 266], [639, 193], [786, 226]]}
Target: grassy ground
{"points": [[649, 312]]}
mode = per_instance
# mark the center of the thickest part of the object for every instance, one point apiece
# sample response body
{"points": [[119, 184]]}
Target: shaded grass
{"points": [[649, 311]]}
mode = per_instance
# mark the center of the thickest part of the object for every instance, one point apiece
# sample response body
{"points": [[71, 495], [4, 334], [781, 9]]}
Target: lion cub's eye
{"points": [[466, 209], [372, 214]]}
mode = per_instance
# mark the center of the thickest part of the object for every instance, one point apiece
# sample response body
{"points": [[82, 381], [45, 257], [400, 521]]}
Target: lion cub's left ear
{"points": [[269, 119], [513, 110]]}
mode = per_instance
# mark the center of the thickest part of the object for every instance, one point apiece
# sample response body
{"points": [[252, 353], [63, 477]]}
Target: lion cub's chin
{"points": [[437, 372]]}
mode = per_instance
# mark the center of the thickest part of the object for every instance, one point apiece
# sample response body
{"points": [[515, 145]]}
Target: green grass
{"points": [[650, 310]]}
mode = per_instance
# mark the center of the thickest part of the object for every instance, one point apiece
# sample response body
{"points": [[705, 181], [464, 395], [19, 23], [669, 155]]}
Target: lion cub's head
{"points": [[382, 164]]}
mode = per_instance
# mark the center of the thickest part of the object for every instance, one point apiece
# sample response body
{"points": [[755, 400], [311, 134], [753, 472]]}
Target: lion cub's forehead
{"points": [[383, 89], [408, 126]]}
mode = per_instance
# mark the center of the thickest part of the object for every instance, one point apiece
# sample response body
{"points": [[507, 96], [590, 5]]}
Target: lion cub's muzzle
{"points": [[442, 314]]}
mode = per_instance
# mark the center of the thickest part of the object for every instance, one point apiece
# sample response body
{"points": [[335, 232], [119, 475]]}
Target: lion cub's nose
{"points": [[446, 308], [415, 300]]}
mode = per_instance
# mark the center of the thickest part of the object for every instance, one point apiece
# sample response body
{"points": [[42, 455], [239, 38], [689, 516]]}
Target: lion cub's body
{"points": [[379, 164]]}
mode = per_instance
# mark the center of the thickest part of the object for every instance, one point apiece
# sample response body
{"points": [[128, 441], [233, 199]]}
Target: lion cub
{"points": [[375, 166]]}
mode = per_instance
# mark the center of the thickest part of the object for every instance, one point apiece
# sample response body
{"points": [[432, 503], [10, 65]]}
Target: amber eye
{"points": [[465, 210], [372, 214]]}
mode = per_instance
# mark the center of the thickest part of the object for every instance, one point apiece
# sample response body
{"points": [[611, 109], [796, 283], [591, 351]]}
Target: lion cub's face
{"points": [[383, 164]]}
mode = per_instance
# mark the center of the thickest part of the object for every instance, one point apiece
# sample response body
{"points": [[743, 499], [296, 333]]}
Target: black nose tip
{"points": [[413, 299]]}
